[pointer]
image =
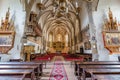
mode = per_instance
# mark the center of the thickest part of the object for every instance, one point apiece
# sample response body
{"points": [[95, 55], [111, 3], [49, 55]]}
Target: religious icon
{"points": [[87, 45], [6, 40]]}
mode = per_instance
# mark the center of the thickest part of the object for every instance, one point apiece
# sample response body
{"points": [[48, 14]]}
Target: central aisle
{"points": [[58, 69]]}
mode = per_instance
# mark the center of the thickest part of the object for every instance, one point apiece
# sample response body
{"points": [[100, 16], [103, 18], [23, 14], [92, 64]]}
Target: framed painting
{"points": [[87, 45], [112, 41], [6, 41]]}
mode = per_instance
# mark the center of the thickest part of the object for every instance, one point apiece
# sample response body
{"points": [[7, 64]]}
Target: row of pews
{"points": [[101, 70], [20, 70], [45, 57]]}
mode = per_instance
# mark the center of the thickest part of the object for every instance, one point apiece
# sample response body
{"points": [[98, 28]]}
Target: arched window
{"points": [[59, 37], [50, 37], [66, 37], [66, 40]]}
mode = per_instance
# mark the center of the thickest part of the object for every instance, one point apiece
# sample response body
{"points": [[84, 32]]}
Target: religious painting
{"points": [[112, 38], [87, 45], [6, 40], [112, 41]]}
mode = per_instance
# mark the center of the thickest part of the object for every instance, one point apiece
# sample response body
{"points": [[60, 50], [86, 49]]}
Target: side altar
{"points": [[7, 34], [111, 34]]}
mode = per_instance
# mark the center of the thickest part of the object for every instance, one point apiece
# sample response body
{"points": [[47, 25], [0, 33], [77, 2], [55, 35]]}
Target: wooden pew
{"points": [[81, 67], [106, 77], [86, 56], [40, 64], [12, 72], [104, 72], [37, 66], [87, 68], [34, 67], [99, 62], [12, 77], [20, 62], [15, 60], [100, 66], [77, 64], [17, 67]]}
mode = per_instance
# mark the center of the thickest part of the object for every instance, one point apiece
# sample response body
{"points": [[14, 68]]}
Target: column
{"points": [[92, 31]]}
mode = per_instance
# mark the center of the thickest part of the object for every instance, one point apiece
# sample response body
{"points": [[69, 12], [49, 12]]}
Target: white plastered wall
{"points": [[99, 16], [84, 21]]}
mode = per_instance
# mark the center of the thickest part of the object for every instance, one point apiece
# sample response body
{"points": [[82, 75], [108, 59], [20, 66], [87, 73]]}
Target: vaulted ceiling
{"points": [[58, 13], [54, 14]]}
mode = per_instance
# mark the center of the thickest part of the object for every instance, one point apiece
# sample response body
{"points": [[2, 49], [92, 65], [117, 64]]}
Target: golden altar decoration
{"points": [[28, 49], [58, 46], [7, 34], [111, 34]]}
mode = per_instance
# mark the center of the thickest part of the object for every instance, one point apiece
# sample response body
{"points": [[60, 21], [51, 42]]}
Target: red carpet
{"points": [[58, 72]]}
